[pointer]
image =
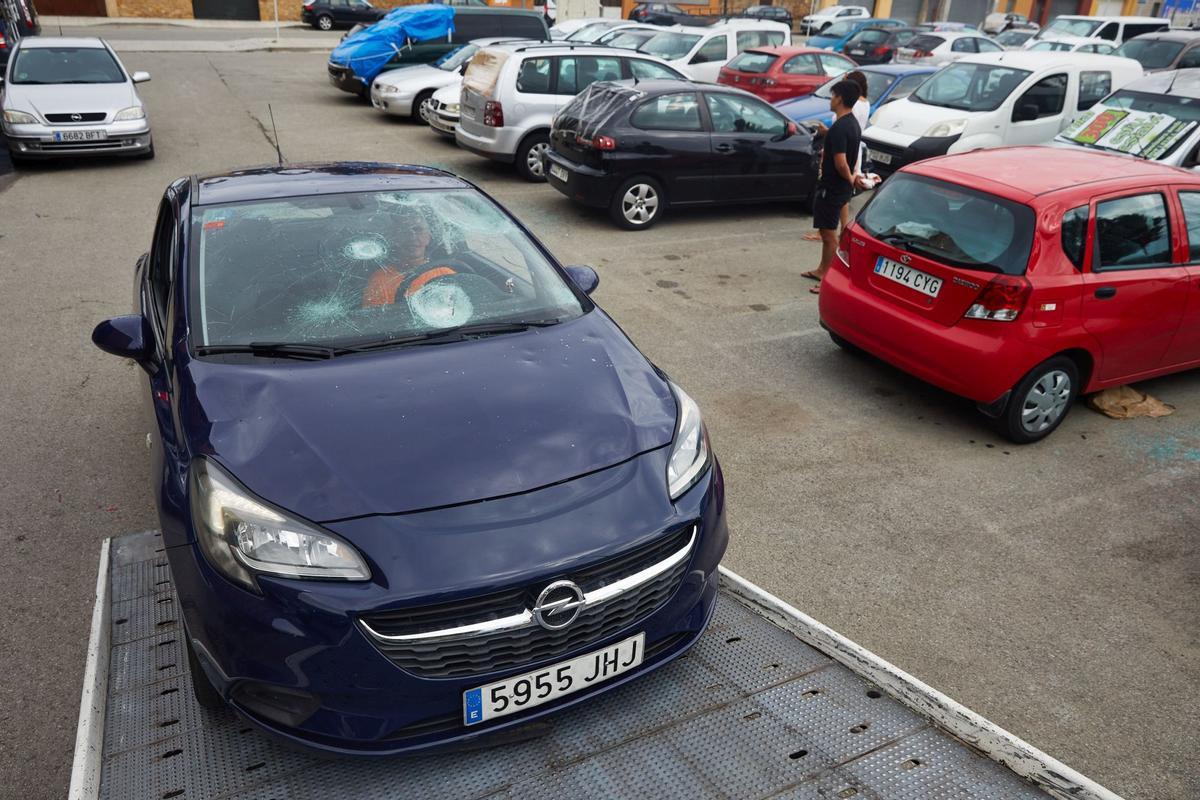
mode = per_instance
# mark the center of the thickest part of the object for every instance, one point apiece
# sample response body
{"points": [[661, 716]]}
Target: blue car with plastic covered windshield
{"points": [[415, 486]]}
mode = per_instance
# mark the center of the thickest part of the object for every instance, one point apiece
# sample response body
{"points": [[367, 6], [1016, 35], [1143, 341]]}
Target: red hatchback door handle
{"points": [[1105, 292]]}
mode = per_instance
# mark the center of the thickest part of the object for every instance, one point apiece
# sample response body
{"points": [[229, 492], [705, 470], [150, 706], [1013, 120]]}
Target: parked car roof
{"points": [[32, 42], [1042, 59], [1176, 82], [784, 50], [295, 180], [1041, 170], [1170, 36]]}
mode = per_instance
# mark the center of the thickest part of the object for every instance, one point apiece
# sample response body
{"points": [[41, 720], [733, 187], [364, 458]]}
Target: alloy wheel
{"points": [[533, 159], [1046, 401], [640, 203], [325, 23]]}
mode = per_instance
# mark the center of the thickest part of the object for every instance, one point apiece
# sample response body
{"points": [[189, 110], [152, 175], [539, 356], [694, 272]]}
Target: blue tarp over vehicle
{"points": [[367, 51]]}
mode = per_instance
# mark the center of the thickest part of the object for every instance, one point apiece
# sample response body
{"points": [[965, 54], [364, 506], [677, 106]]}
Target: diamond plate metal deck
{"points": [[749, 712]]}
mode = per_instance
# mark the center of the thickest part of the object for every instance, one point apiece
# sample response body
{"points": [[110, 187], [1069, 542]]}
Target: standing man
{"points": [[836, 181]]}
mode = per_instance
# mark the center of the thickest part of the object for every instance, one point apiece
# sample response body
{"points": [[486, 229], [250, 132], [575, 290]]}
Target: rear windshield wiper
{"points": [[307, 352], [457, 334]]}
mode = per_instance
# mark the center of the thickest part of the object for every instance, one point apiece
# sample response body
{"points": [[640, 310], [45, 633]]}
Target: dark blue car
{"points": [[885, 82], [415, 487]]}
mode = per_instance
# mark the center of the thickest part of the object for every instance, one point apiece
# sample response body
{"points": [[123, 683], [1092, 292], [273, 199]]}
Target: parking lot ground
{"points": [[1054, 588]]}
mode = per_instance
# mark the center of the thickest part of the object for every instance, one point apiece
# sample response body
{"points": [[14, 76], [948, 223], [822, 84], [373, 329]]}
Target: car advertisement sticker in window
{"points": [[1139, 133]]}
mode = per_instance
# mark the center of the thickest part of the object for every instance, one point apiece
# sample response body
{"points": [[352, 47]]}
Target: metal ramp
{"points": [[750, 711]]}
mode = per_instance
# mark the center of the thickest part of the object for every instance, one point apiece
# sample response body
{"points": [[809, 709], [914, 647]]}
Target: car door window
{"points": [[801, 65], [1191, 218], [1191, 59], [1094, 86], [836, 65], [584, 71], [670, 112], [1074, 235], [748, 39], [1111, 31], [159, 267], [907, 85], [1048, 95], [1132, 233], [715, 49], [645, 70], [732, 114], [964, 45], [534, 76], [986, 46]]}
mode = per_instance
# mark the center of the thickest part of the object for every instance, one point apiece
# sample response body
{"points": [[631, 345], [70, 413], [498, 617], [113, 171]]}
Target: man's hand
{"points": [[820, 127]]}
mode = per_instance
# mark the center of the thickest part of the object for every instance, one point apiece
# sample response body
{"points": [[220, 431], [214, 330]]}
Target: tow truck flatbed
{"points": [[769, 703]]}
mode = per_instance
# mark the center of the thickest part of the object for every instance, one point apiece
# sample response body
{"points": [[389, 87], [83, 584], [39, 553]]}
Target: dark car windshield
{"points": [[869, 36], [925, 42], [952, 224], [669, 45], [65, 65], [1150, 53], [840, 29], [456, 58], [877, 84], [364, 268], [970, 87], [751, 61]]}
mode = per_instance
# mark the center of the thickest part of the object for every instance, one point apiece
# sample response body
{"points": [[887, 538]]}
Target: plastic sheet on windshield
{"points": [[592, 108]]}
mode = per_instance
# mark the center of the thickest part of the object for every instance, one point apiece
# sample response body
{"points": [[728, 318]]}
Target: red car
{"points": [[1020, 277], [781, 73]]}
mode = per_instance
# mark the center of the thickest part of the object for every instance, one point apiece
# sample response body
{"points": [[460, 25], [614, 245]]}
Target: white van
{"points": [[1071, 28], [992, 100], [700, 52]]}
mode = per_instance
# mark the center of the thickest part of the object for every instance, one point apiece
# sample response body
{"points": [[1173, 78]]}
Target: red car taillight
{"points": [[308, 6], [764, 81], [880, 51], [493, 114], [921, 54], [600, 142], [1002, 300]]}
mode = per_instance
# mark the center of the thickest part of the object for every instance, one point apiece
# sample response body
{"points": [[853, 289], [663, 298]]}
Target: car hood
{"points": [[913, 119], [67, 98], [821, 42], [803, 109], [430, 426], [418, 76]]}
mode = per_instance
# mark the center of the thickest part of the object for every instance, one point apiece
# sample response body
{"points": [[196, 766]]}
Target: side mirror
{"points": [[463, 69], [792, 129], [1025, 112], [127, 336], [584, 277], [140, 77]]}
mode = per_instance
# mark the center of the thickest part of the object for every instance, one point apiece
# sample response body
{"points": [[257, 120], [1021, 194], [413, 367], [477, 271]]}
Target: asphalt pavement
{"points": [[1053, 588]]}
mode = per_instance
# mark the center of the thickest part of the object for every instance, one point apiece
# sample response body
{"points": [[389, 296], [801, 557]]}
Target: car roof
{"points": [[299, 180], [786, 49], [562, 48], [1170, 36], [1176, 83], [1043, 59], [1028, 172], [37, 42], [1113, 19]]}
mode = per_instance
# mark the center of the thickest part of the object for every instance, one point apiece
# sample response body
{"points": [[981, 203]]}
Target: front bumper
{"points": [[343, 78], [38, 140], [898, 154], [443, 122], [399, 104], [305, 637]]}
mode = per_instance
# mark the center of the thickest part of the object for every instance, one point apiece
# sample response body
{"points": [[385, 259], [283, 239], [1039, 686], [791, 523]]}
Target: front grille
{"points": [[471, 655], [102, 144], [898, 154], [97, 116]]}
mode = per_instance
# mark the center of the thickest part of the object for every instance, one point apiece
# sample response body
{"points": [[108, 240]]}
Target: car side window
{"points": [[748, 39], [1093, 87], [986, 46], [963, 45], [732, 114], [715, 49], [834, 66], [645, 70], [1191, 59], [805, 64], [534, 76], [1111, 31], [1074, 235], [586, 71], [1191, 218], [669, 112], [161, 252], [907, 86], [1132, 233], [775, 38], [1048, 95]]}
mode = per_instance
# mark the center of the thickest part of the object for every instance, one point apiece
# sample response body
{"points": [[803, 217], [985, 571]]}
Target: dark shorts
{"points": [[827, 207]]}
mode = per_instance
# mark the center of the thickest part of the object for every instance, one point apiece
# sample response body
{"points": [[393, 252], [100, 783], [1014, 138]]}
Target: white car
{"points": [[402, 92], [441, 112], [944, 47], [815, 23], [993, 100], [700, 52], [1099, 46], [565, 28], [72, 97], [1072, 28]]}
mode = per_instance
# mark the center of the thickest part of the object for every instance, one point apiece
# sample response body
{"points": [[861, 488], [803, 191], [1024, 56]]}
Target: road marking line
{"points": [[89, 735]]}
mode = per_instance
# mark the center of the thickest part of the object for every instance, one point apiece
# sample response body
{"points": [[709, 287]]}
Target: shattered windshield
{"points": [[361, 268]]}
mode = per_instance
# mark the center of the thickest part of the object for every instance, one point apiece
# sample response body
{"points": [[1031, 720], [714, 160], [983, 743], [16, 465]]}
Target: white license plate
{"points": [[79, 136], [857, 51], [532, 689], [558, 172], [882, 158], [914, 279]]}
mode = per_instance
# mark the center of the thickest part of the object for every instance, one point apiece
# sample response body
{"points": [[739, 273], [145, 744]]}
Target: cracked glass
{"points": [[365, 267]]}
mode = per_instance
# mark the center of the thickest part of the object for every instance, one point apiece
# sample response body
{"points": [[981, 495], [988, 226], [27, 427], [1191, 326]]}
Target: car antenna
{"points": [[275, 134]]}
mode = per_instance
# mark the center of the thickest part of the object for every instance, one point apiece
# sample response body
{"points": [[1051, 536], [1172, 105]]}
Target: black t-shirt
{"points": [[843, 137]]}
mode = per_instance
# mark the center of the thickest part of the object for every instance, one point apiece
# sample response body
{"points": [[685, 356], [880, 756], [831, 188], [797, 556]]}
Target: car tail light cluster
{"points": [[921, 54], [1002, 300], [308, 6], [600, 142], [493, 114], [880, 51], [764, 81], [3, 42]]}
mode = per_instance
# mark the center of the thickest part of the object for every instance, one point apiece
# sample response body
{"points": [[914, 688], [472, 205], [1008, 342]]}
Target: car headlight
{"points": [[387, 88], [19, 118], [241, 535], [129, 114], [951, 127], [689, 450], [450, 108]]}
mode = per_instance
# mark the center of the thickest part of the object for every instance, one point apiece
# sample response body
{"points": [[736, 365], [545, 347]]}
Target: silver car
{"points": [[70, 97]]}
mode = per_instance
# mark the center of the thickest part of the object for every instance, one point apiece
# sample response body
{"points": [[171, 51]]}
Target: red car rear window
{"points": [[750, 61]]}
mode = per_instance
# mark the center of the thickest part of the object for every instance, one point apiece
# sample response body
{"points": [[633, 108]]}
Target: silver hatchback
{"points": [[70, 97]]}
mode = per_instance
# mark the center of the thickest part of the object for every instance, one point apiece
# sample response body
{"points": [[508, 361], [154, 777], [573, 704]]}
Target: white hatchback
{"points": [[700, 52], [944, 47]]}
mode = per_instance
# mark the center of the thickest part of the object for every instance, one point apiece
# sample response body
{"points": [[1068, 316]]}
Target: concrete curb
{"points": [[89, 734], [51, 21]]}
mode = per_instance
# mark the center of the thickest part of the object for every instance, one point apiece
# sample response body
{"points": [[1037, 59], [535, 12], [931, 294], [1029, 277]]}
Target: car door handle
{"points": [[724, 148], [1105, 292]]}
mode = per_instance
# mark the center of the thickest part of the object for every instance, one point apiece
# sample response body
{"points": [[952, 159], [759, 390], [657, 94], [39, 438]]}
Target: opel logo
{"points": [[905, 259], [558, 605], [76, 117]]}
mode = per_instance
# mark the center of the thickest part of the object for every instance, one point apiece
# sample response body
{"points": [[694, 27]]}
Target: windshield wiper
{"points": [[456, 334], [307, 352]]}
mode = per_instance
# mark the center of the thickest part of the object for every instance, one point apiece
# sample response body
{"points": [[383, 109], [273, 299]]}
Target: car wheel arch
{"points": [[1085, 363]]}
